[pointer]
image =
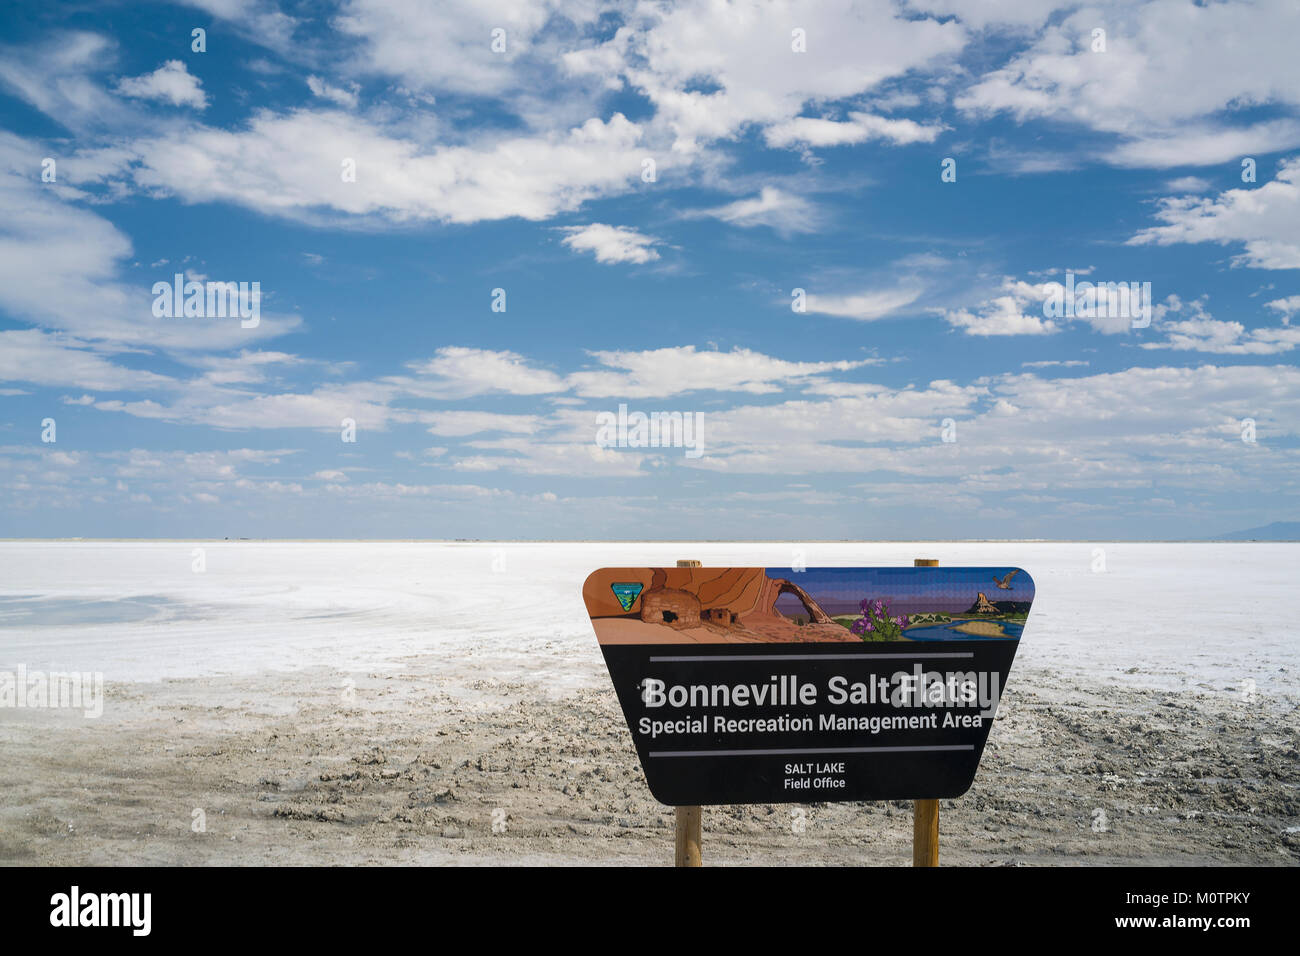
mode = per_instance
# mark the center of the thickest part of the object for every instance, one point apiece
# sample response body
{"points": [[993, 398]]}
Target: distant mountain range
{"points": [[1277, 531]]}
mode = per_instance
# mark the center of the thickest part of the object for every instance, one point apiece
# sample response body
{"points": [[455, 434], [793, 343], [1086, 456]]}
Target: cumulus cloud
{"points": [[611, 243], [1018, 307], [1288, 307], [171, 83], [447, 47], [531, 176], [756, 76], [1003, 315], [1150, 87], [459, 372], [1264, 219], [1189, 327]]}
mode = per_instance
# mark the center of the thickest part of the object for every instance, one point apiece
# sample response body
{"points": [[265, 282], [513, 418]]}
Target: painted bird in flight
{"points": [[1005, 583]]}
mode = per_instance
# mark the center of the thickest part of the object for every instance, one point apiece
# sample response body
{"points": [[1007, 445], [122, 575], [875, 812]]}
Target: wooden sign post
{"points": [[690, 832], [690, 820], [925, 813]]}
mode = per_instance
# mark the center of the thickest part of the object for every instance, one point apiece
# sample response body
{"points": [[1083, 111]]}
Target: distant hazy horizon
{"points": [[765, 540]]}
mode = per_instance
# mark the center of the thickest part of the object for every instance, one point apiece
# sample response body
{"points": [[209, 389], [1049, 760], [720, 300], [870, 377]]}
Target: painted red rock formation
{"points": [[670, 606]]}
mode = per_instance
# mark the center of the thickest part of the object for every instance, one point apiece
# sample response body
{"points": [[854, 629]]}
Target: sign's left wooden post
{"points": [[690, 820]]}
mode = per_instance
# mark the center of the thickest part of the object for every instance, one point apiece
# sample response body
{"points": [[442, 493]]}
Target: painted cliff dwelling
{"points": [[817, 605]]}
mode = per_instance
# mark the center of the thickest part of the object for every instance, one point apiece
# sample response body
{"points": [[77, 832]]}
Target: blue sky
{"points": [[793, 146]]}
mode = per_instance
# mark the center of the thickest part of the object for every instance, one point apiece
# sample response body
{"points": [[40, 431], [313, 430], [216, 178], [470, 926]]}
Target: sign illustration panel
{"points": [[760, 685]]}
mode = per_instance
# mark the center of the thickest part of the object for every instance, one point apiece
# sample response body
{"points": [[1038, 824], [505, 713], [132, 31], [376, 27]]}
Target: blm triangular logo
{"points": [[627, 593]]}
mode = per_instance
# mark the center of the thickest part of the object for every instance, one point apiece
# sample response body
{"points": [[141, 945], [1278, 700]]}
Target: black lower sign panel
{"points": [[751, 685]]}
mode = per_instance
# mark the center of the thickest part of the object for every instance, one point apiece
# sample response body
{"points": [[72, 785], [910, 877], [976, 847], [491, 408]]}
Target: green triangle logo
{"points": [[627, 593]]}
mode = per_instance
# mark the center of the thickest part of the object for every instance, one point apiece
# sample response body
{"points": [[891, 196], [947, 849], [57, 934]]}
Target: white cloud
{"points": [[1179, 426], [743, 50], [61, 267], [1288, 307], [552, 155], [532, 176], [30, 355], [1009, 314], [1017, 307], [567, 447], [611, 243], [1206, 144], [247, 367], [859, 128], [1187, 184], [446, 47], [258, 21], [479, 463], [345, 97], [1265, 218], [1201, 332], [54, 77], [772, 207], [1151, 86], [323, 408], [387, 489], [1227, 338], [673, 371], [172, 82], [864, 306], [459, 372]]}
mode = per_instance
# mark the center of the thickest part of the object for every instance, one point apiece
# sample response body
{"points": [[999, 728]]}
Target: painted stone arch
{"points": [[815, 613]]}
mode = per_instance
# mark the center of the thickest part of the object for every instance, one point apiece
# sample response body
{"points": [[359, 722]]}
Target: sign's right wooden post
{"points": [[925, 813]]}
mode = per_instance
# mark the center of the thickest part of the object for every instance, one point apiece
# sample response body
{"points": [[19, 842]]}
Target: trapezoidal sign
{"points": [[760, 685]]}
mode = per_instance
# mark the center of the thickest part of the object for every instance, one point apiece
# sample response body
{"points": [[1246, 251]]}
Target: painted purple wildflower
{"points": [[877, 623]]}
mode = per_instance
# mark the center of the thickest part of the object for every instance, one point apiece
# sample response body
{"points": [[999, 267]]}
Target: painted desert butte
{"points": [[701, 606]]}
